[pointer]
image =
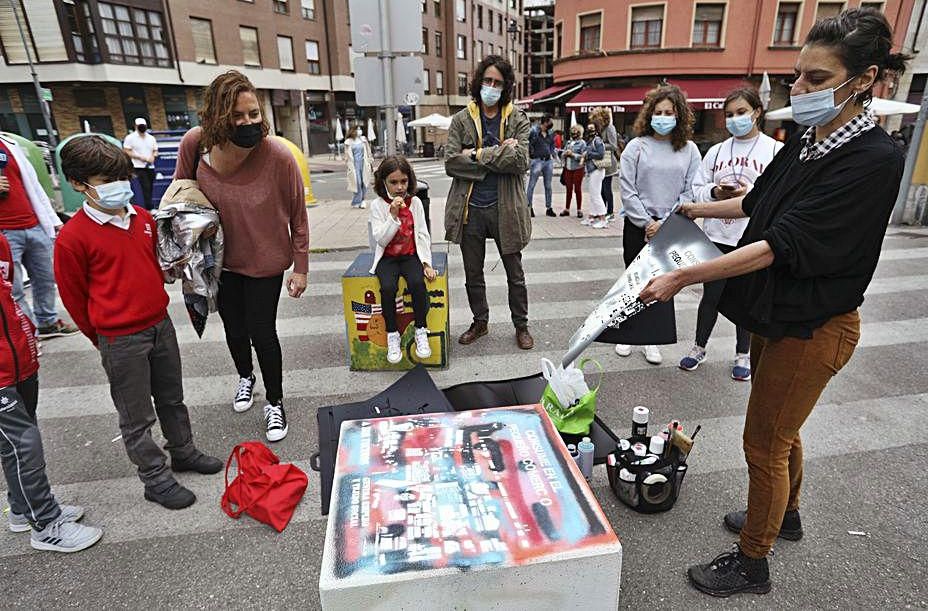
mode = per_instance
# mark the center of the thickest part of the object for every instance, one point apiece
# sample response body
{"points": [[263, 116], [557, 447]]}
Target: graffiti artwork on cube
{"points": [[461, 492]]}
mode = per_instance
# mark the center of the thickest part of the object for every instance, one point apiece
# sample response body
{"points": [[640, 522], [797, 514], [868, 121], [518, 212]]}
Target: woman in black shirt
{"points": [[818, 216]]}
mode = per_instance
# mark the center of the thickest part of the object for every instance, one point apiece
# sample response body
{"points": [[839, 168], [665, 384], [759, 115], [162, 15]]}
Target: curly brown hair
{"points": [[218, 105], [683, 132], [601, 117]]}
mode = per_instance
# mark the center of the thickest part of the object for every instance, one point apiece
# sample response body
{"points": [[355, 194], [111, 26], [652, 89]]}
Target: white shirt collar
{"points": [[102, 218]]}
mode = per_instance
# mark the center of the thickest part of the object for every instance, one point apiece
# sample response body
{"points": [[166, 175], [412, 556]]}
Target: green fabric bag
{"points": [[573, 419]]}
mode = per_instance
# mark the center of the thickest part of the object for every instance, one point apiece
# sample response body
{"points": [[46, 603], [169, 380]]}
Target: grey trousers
{"points": [[141, 367], [483, 223], [23, 459]]}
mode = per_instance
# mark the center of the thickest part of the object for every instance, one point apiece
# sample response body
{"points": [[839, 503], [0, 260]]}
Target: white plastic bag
{"points": [[568, 383]]}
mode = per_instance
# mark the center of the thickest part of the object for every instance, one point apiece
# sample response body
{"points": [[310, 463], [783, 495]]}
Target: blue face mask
{"points": [[663, 124], [818, 107], [740, 125], [490, 95], [114, 195]]}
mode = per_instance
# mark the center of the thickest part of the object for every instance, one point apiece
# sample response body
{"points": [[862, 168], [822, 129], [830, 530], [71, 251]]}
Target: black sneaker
{"points": [[731, 573], [790, 529], [200, 463], [532, 210], [175, 497], [59, 328], [550, 212], [276, 420], [244, 396]]}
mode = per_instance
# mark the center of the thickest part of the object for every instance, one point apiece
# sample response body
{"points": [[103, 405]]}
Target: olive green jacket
{"points": [[510, 162]]}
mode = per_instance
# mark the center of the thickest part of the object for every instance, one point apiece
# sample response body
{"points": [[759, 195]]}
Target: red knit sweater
{"points": [[109, 278], [18, 355]]}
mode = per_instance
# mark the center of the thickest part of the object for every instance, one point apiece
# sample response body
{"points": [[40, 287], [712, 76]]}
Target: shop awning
{"points": [[703, 94], [551, 94]]}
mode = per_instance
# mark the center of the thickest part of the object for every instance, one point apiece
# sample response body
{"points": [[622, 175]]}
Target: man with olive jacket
{"points": [[487, 158]]}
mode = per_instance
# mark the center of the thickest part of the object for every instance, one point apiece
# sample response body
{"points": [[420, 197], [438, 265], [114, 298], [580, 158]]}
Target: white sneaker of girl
{"points": [[394, 352], [423, 350]]}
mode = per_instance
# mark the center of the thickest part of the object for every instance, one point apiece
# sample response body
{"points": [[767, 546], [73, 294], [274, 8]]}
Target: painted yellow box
{"points": [[365, 326]]}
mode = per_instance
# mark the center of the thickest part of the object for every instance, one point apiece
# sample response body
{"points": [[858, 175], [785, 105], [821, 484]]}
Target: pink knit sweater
{"points": [[262, 207]]}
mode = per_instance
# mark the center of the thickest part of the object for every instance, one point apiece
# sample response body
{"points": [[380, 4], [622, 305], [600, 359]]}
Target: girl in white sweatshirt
{"points": [[728, 170], [403, 248]]}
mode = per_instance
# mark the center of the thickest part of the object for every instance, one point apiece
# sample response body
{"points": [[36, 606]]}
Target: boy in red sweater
{"points": [[110, 281], [32, 505]]}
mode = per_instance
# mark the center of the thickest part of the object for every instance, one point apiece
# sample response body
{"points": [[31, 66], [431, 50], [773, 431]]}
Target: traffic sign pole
{"points": [[387, 56]]}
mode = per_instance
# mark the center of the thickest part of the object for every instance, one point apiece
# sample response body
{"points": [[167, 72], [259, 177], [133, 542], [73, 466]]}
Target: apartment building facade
{"points": [[620, 49]]}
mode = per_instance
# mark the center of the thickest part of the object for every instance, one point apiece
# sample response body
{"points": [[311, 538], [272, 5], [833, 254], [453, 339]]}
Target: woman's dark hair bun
{"points": [[862, 38]]}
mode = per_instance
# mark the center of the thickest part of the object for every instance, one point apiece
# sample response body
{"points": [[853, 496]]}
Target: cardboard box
{"points": [[366, 329], [481, 509]]}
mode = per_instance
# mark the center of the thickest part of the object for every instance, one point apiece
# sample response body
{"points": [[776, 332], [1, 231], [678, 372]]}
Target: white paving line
{"points": [[94, 399], [832, 430]]}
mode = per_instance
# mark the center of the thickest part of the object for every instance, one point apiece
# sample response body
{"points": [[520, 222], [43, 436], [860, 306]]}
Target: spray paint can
{"points": [[640, 421], [572, 449], [586, 448]]}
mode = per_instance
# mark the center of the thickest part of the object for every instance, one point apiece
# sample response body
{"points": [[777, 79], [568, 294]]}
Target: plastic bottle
{"points": [[586, 449], [640, 421]]}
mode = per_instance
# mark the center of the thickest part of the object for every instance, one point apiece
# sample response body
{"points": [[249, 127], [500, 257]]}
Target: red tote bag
{"points": [[264, 488]]}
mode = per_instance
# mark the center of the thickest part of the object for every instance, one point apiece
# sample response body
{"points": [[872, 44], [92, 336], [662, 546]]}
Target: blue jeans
{"points": [[33, 249], [358, 198], [543, 167]]}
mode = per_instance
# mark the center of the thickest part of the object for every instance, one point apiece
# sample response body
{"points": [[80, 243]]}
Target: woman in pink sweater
{"points": [[256, 185]]}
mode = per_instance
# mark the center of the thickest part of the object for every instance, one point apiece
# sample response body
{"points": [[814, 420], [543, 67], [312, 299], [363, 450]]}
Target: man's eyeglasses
{"points": [[492, 82]]}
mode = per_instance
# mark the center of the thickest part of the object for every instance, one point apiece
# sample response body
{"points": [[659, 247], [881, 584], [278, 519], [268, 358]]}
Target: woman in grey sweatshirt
{"points": [[657, 172]]}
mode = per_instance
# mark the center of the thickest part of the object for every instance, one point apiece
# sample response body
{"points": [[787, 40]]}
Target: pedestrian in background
{"points": [[658, 168], [602, 118], [573, 171], [487, 157], [541, 150], [595, 152], [142, 148], [255, 184], [360, 165], [818, 215], [729, 170]]}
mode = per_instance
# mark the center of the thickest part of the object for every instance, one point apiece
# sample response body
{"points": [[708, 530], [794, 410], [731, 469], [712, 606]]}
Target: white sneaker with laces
{"points": [[276, 420], [394, 351], [423, 349], [63, 536], [586, 221], [600, 224], [652, 354], [623, 349], [18, 523], [244, 396]]}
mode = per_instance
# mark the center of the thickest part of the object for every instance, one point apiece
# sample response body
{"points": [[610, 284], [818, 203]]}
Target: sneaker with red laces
{"points": [[59, 328]]}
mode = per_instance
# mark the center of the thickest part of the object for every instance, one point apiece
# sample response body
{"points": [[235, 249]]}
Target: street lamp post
{"points": [[52, 140]]}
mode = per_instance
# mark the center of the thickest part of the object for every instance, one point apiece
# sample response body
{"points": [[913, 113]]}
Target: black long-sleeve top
{"points": [[824, 220]]}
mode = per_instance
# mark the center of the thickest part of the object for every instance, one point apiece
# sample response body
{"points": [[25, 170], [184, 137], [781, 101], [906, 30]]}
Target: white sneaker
{"points": [[65, 537], [623, 349], [652, 354], [275, 420], [244, 396], [586, 221], [600, 224], [394, 351], [423, 350], [19, 524]]}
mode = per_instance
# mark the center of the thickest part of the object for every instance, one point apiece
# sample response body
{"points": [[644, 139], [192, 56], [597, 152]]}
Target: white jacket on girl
{"points": [[384, 228]]}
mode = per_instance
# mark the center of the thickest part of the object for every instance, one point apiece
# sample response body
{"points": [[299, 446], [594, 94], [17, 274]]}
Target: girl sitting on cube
{"points": [[403, 248]]}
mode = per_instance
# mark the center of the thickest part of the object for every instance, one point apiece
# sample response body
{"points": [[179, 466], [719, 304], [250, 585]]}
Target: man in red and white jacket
{"points": [[32, 505], [111, 282]]}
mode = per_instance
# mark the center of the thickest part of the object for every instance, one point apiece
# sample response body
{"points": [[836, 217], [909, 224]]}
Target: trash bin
{"points": [[428, 149], [422, 192]]}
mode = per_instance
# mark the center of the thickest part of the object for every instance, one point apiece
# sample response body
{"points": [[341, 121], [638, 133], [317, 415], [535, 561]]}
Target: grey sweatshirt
{"points": [[654, 178]]}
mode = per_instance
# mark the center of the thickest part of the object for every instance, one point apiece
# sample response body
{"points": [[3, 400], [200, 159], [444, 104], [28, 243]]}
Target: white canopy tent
{"points": [[879, 106], [432, 120]]}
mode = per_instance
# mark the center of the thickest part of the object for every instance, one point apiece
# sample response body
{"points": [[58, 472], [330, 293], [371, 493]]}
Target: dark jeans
{"points": [[140, 367], [709, 312], [483, 224], [146, 178], [573, 180], [388, 272], [28, 490], [248, 308], [607, 194]]}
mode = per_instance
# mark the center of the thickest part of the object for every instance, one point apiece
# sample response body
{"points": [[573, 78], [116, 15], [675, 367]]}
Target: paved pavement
{"points": [[865, 451]]}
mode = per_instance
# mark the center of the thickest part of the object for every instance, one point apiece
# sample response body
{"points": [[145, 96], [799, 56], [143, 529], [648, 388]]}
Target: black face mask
{"points": [[247, 136], [142, 128]]}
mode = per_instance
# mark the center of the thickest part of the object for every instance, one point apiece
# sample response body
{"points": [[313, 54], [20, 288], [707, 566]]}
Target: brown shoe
{"points": [[477, 329], [524, 338]]}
